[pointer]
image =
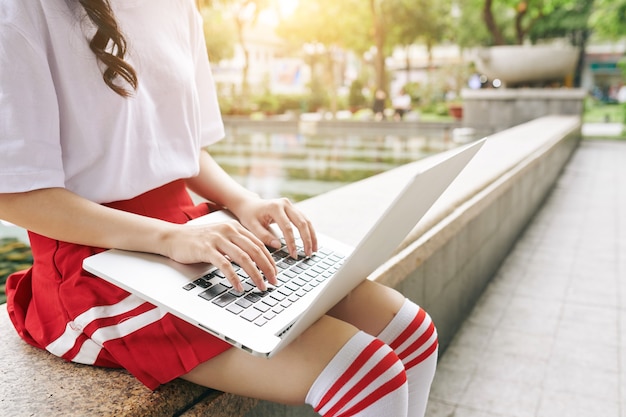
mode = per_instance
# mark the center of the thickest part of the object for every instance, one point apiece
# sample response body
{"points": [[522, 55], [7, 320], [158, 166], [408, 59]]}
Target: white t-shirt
{"points": [[62, 126]]}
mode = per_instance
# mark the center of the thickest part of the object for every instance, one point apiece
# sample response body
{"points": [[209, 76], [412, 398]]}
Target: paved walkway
{"points": [[548, 337]]}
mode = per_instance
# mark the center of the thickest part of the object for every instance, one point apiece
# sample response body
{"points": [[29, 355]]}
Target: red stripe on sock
{"points": [[418, 343], [432, 349], [358, 363], [388, 387], [410, 330], [379, 369]]}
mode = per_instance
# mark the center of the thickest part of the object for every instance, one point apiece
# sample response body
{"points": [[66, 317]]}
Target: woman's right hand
{"points": [[220, 244]]}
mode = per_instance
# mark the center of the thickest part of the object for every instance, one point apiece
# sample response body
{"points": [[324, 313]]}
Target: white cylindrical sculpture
{"points": [[515, 64]]}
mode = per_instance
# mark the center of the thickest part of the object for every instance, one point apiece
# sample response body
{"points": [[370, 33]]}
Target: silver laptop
{"points": [[264, 322]]}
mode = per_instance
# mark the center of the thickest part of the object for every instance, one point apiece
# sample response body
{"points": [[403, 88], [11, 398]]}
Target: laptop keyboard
{"points": [[296, 277]]}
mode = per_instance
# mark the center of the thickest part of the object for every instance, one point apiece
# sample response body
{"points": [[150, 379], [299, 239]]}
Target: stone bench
{"points": [[36, 383], [444, 264]]}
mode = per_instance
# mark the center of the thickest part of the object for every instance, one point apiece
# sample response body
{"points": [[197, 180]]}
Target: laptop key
{"points": [[242, 302], [282, 265], [270, 301], [291, 273], [234, 308], [299, 282], [296, 270], [202, 283], [262, 307], [224, 299], [237, 293], [278, 296], [285, 291], [250, 314], [253, 297], [213, 292]]}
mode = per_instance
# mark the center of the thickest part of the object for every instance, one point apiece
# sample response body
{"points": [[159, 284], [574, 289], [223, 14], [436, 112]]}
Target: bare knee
{"points": [[369, 307]]}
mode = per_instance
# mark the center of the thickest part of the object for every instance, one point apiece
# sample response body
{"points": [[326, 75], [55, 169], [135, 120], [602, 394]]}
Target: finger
{"points": [[261, 255], [255, 259], [265, 234], [248, 267], [305, 229], [286, 228], [245, 240], [224, 264]]}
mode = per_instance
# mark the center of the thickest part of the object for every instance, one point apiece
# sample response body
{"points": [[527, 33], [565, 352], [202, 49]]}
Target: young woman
{"points": [[105, 109]]}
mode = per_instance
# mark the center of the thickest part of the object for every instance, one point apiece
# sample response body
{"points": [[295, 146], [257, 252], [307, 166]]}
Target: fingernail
{"points": [[275, 243]]}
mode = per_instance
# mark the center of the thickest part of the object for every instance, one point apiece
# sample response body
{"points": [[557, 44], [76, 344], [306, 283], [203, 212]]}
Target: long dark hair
{"points": [[109, 46]]}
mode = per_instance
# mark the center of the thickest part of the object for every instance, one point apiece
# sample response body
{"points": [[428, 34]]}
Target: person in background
{"points": [[380, 98], [107, 108], [401, 105]]}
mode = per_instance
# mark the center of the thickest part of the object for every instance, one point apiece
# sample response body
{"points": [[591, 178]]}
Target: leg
{"points": [[332, 366], [369, 307], [291, 372], [404, 326]]}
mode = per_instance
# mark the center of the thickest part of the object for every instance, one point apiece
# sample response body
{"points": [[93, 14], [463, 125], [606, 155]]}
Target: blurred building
{"points": [[271, 66], [601, 75]]}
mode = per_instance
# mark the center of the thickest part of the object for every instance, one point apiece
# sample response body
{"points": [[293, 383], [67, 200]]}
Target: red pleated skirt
{"points": [[58, 306]]}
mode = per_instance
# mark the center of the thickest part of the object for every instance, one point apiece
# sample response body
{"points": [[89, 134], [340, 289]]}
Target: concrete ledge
{"points": [[245, 124], [493, 110], [36, 383]]}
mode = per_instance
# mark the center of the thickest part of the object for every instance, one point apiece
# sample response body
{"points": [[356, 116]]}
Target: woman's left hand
{"points": [[258, 214]]}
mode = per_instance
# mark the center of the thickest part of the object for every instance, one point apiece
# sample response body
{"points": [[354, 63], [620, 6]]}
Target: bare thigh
{"points": [[284, 378], [288, 376]]}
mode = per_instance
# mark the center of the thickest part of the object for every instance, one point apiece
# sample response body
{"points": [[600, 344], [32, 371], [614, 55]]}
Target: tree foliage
{"points": [[373, 28], [220, 34], [570, 21], [515, 21], [609, 17]]}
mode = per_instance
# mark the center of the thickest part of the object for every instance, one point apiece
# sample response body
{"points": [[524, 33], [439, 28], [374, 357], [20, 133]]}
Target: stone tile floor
{"points": [[548, 336]]}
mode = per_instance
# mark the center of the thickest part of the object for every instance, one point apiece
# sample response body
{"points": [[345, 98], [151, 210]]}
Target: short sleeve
{"points": [[212, 127], [30, 149]]}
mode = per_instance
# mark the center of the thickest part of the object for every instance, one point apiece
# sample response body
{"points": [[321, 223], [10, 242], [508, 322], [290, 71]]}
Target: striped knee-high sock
{"points": [[365, 379], [412, 335]]}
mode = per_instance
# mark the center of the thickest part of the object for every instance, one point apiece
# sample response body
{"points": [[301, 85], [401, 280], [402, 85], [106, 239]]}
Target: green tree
{"points": [[512, 21], [468, 28], [220, 34], [423, 21], [572, 22], [321, 29], [245, 14], [608, 18], [242, 14]]}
